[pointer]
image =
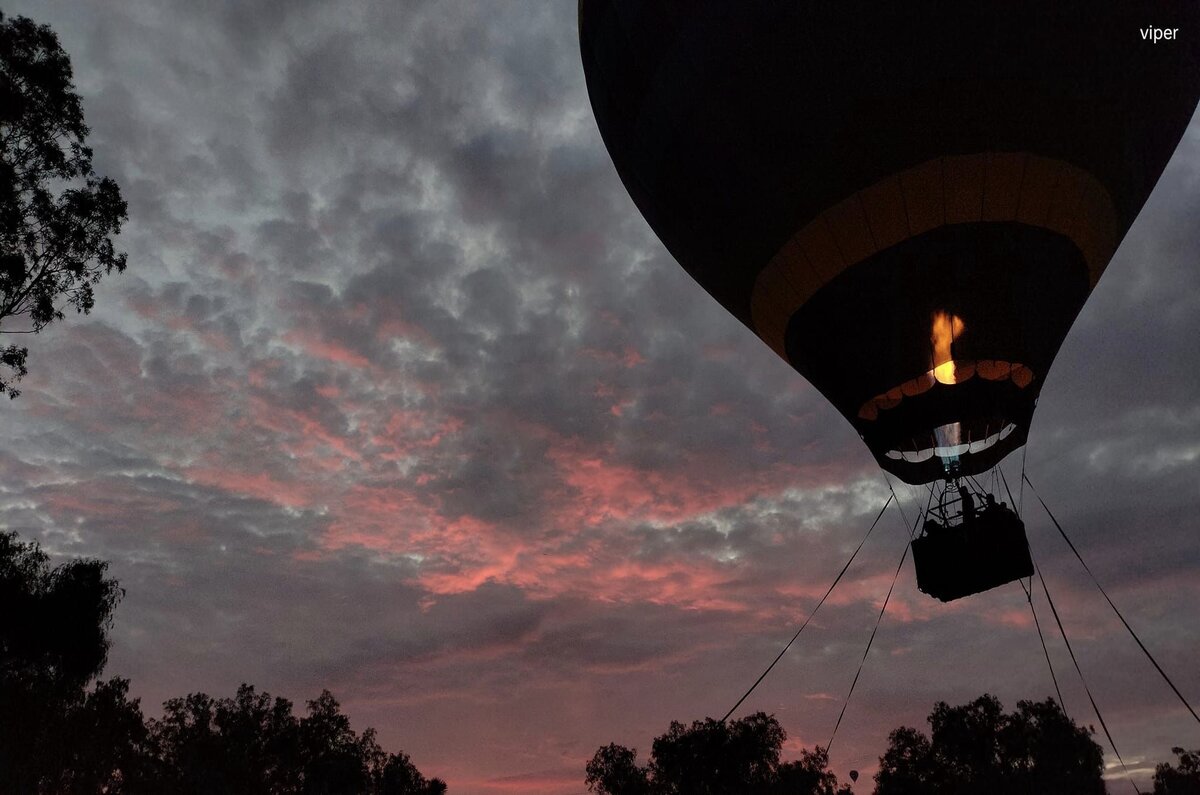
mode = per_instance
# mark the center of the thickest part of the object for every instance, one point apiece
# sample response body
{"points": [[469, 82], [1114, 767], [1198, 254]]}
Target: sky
{"points": [[401, 397]]}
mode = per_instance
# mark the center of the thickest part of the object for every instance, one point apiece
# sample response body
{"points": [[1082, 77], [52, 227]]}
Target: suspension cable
{"points": [[1079, 671], [899, 502], [1028, 589], [1096, 582], [928, 505], [900, 505], [1009, 492], [833, 585], [1021, 482], [978, 485], [871, 640], [1042, 638]]}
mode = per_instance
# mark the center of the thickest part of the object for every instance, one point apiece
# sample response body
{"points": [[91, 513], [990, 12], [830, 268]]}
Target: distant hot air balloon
{"points": [[909, 202], [854, 775]]}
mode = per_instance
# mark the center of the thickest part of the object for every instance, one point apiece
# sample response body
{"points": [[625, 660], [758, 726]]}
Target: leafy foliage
{"points": [[252, 743], [56, 621], [58, 736], [711, 757], [55, 735], [978, 748], [57, 217], [1183, 779]]}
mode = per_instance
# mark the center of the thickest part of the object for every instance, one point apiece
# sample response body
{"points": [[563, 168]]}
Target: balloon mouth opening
{"points": [[952, 441], [959, 417], [951, 371]]}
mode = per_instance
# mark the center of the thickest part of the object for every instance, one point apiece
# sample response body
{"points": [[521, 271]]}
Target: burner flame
{"points": [[946, 329]]}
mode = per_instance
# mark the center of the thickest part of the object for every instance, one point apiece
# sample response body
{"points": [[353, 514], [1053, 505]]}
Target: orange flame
{"points": [[946, 329]]}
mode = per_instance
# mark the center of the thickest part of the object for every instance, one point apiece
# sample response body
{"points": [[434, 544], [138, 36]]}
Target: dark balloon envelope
{"points": [[909, 202]]}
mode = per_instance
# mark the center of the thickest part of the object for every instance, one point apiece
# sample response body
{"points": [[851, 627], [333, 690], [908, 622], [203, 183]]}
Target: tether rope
{"points": [[836, 580], [1028, 589], [1004, 480], [1029, 597], [1096, 582], [1021, 483], [1079, 671], [900, 505], [871, 640], [899, 502]]}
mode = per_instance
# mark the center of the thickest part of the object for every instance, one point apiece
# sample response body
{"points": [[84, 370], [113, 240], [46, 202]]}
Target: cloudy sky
{"points": [[401, 397]]}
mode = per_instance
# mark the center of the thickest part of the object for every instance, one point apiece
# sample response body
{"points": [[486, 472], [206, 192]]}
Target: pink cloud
{"points": [[259, 485], [629, 356], [607, 491], [314, 345]]}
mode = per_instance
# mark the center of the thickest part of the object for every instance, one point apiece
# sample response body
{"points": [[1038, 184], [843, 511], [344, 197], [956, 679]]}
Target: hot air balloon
{"points": [[908, 202]]}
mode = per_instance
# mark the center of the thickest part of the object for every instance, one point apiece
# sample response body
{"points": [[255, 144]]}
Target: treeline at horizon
{"points": [[66, 731]]}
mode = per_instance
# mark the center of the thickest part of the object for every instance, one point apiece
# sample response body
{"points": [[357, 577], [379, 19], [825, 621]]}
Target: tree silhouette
{"points": [[614, 770], [241, 745], [102, 747], [55, 735], [1181, 780], [336, 760], [56, 216], [58, 737], [711, 757], [980, 749], [57, 621], [252, 744]]}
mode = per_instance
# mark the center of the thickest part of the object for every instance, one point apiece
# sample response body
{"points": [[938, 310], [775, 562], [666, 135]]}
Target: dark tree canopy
{"points": [[56, 620], [57, 218], [978, 748], [58, 737], [710, 757], [253, 744], [55, 735], [1183, 779]]}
